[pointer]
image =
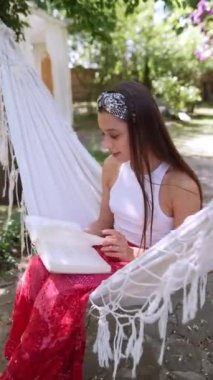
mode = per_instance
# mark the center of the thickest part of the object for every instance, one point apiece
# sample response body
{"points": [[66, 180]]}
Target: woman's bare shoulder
{"points": [[180, 181], [110, 170], [183, 195]]}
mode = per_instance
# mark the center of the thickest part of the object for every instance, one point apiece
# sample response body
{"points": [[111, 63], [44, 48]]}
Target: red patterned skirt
{"points": [[47, 338]]}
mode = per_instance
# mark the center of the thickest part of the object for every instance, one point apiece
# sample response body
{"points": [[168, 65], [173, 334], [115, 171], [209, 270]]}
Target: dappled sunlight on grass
{"points": [[3, 215], [187, 130], [201, 145], [204, 111], [202, 122], [195, 137]]}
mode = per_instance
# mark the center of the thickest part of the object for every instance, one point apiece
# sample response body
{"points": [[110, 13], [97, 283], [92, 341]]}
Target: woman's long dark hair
{"points": [[147, 132]]}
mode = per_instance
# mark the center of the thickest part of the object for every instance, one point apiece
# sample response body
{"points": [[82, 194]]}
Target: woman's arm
{"points": [[105, 219], [185, 197]]}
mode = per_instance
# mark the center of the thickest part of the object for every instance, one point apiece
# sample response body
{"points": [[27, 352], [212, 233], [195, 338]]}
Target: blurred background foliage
{"points": [[165, 44], [10, 241]]}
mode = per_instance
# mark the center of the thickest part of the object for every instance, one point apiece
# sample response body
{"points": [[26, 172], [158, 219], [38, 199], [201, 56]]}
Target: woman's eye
{"points": [[114, 137]]}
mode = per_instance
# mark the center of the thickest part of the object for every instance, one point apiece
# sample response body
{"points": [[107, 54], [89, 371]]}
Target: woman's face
{"points": [[115, 136]]}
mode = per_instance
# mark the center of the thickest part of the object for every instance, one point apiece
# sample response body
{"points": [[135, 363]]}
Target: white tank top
{"points": [[126, 203]]}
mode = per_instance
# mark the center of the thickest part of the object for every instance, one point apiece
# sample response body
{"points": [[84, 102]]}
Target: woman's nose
{"points": [[106, 144]]}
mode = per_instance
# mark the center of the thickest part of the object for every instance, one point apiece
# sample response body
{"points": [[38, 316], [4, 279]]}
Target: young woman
{"points": [[148, 189]]}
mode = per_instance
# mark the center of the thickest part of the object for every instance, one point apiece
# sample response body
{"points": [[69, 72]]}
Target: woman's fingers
{"points": [[114, 244], [110, 241], [110, 248], [113, 238], [111, 232], [112, 254]]}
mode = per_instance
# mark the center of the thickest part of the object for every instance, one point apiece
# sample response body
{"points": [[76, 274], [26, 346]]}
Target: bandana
{"points": [[114, 103]]}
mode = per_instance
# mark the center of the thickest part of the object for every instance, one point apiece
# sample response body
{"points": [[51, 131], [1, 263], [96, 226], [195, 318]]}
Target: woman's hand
{"points": [[116, 245]]}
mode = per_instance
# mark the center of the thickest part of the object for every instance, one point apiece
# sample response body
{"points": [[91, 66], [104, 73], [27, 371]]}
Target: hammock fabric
{"points": [[61, 181], [60, 178]]}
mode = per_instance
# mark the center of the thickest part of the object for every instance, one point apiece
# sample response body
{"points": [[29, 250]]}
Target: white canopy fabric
{"points": [[61, 181]]}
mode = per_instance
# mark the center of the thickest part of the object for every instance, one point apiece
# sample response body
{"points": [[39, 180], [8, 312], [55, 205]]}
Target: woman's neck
{"points": [[154, 162]]}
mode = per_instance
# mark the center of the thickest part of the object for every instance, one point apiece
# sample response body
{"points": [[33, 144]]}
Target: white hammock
{"points": [[140, 293], [62, 181], [60, 178]]}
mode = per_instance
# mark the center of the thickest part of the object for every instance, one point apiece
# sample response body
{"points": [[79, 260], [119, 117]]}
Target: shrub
{"points": [[10, 244], [179, 96]]}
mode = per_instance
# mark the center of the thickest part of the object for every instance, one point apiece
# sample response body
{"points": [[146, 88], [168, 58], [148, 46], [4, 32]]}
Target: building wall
{"points": [[85, 88], [83, 84]]}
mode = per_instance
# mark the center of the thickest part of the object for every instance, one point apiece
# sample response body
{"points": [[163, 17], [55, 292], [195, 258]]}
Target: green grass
{"points": [[194, 137], [99, 155], [10, 241], [3, 215], [84, 121]]}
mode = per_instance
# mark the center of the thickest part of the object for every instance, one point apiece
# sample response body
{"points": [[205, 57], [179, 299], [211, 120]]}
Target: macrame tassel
{"points": [[137, 349], [162, 326], [202, 288], [8, 165], [102, 343], [4, 141], [4, 153], [6, 176], [131, 340], [190, 299], [118, 344], [13, 178], [25, 243]]}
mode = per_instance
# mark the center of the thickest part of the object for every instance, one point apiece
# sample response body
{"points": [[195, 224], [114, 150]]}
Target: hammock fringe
{"points": [[134, 345], [7, 157], [187, 269], [102, 344]]}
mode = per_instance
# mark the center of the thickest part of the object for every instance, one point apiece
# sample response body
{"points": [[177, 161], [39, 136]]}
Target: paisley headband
{"points": [[114, 103]]}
